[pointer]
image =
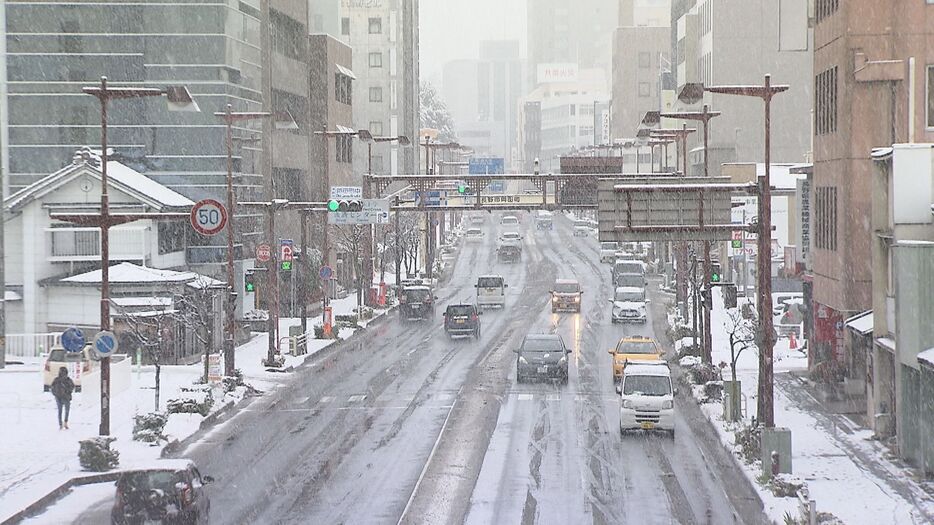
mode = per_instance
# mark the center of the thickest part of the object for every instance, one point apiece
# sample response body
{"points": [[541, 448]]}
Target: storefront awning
{"points": [[346, 72], [860, 323]]}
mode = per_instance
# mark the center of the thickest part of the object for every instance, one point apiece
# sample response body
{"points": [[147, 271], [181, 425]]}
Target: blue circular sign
{"points": [[105, 344], [73, 340], [325, 272]]}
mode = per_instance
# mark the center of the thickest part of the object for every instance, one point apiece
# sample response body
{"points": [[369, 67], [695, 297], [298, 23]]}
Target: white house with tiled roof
{"points": [[41, 250]]}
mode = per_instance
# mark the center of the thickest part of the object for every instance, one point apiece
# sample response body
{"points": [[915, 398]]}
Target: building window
{"points": [[376, 59], [376, 128], [645, 90], [930, 96], [376, 94], [376, 26], [288, 35], [587, 131], [573, 110], [825, 217], [345, 26], [825, 8], [343, 90], [645, 60], [825, 95], [377, 163], [344, 148]]}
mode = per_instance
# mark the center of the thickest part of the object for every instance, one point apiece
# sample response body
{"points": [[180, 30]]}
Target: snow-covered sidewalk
{"points": [[36, 457], [833, 465]]}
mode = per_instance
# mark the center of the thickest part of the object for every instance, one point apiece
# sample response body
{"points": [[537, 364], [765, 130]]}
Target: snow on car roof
{"points": [[647, 368], [490, 276], [565, 281], [417, 287], [629, 289]]}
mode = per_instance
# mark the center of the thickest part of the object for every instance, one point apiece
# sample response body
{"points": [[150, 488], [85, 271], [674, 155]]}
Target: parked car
{"points": [[647, 398], [491, 291], [462, 320], [416, 302], [780, 299], [544, 356], [77, 364], [633, 348], [608, 251], [566, 295], [629, 305], [173, 492]]}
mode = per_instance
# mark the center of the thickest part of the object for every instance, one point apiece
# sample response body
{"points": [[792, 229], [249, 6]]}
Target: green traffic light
{"points": [[715, 278], [250, 287], [333, 205], [461, 188], [287, 265]]}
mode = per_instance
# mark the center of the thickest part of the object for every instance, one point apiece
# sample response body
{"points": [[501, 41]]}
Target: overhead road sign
{"points": [[667, 209], [486, 165]]}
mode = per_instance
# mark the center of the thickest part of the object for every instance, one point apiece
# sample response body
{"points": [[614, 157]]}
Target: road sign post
{"points": [[263, 253], [208, 217], [105, 344]]}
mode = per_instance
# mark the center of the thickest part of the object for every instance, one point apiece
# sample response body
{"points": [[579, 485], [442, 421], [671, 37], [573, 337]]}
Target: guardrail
{"points": [[30, 345], [298, 344]]}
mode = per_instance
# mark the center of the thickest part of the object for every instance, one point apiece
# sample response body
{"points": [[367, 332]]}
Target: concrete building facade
{"points": [[738, 42], [640, 56], [483, 95], [384, 37], [870, 78]]}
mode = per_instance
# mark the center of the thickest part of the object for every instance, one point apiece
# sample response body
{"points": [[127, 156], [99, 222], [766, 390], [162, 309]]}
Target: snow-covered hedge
{"points": [[197, 402], [96, 455], [148, 427]]}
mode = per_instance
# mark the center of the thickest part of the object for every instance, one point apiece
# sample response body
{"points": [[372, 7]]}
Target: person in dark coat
{"points": [[62, 387]]}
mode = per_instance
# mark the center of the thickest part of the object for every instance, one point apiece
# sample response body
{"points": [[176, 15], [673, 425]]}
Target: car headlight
{"points": [[522, 360], [668, 404], [554, 299], [564, 359], [627, 404], [577, 298]]}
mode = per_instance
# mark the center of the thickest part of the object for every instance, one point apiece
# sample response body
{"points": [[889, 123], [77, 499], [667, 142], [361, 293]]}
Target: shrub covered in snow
{"points": [[365, 313], [199, 402], [785, 485], [96, 455], [689, 361], [713, 391], [148, 427], [748, 440], [704, 373]]}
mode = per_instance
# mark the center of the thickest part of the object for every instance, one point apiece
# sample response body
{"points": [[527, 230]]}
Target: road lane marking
{"points": [[302, 400], [524, 397], [554, 397], [356, 398], [326, 399]]}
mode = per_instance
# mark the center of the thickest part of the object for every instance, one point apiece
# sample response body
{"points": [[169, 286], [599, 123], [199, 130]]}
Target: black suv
{"points": [[462, 319], [171, 493], [416, 302]]}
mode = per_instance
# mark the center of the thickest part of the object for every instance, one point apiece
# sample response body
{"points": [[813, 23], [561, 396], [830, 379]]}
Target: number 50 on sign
{"points": [[208, 217]]}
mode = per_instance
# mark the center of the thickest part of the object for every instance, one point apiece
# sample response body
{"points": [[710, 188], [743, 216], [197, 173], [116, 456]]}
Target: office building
{"points": [[561, 32], [384, 39]]}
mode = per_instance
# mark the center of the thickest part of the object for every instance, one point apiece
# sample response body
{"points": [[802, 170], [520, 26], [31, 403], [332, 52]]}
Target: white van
{"points": [[646, 397], [491, 291], [509, 222]]}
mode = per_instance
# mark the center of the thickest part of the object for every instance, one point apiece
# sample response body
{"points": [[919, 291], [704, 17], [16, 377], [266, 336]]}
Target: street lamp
{"points": [[179, 99], [402, 140], [283, 121], [691, 93]]}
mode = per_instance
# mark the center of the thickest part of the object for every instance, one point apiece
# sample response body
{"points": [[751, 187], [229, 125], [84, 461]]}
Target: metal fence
{"points": [[30, 345]]}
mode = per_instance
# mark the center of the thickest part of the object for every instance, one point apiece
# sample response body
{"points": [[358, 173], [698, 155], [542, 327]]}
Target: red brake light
{"points": [[48, 367], [474, 317], [185, 495]]}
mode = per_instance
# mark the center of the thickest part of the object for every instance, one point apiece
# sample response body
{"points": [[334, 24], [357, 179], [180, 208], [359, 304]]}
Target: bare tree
{"points": [[152, 331], [194, 309], [742, 335], [351, 238]]}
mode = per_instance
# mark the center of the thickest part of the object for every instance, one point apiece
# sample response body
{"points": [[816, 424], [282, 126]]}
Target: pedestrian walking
{"points": [[62, 387]]}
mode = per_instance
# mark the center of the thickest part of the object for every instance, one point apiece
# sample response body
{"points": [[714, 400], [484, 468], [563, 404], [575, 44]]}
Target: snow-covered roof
{"points": [[86, 163], [927, 357], [861, 323], [10, 295], [647, 368], [129, 273], [887, 343], [781, 176]]}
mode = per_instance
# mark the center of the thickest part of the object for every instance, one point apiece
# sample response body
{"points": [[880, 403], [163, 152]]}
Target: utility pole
{"points": [[2, 259]]}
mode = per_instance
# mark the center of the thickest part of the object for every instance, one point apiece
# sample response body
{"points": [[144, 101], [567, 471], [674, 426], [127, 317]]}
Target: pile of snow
{"points": [[689, 361]]}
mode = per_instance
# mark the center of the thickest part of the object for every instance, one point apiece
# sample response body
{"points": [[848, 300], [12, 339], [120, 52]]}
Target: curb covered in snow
{"points": [[58, 493]]}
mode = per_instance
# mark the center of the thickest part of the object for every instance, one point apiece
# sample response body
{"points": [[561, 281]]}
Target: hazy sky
{"points": [[452, 29]]}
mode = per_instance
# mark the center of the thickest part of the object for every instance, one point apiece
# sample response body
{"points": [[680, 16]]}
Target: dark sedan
{"points": [[542, 356]]}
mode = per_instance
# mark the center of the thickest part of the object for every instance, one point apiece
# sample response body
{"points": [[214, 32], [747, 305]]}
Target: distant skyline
{"points": [[453, 29]]}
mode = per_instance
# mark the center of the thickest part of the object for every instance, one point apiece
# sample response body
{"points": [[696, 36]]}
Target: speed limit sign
{"points": [[208, 217]]}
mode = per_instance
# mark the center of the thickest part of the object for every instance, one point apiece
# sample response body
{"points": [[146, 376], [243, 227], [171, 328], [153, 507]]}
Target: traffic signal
{"points": [[286, 266], [715, 275], [345, 205], [462, 188], [249, 282]]}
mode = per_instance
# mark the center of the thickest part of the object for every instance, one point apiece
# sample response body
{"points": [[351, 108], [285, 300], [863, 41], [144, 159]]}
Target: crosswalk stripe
{"points": [[524, 397], [302, 400], [326, 399], [554, 397], [356, 398]]}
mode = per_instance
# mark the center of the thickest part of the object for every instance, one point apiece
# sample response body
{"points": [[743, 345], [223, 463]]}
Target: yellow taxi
{"points": [[633, 348]]}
